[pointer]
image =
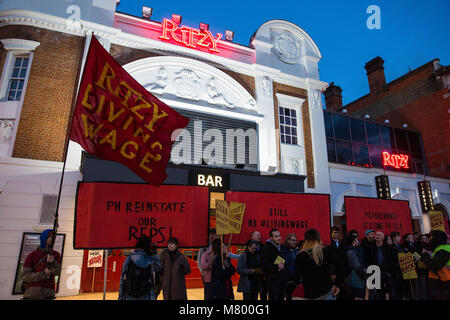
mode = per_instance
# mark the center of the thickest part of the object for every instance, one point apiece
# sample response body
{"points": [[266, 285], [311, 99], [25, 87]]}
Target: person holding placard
{"points": [[250, 271], [438, 263], [221, 271], [274, 266]]}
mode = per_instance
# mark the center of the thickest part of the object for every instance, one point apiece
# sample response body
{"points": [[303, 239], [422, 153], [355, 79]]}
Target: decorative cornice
{"points": [[19, 44]]}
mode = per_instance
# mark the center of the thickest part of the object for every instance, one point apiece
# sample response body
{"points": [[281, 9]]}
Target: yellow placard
{"points": [[222, 217], [279, 260], [407, 265], [236, 216], [436, 220]]}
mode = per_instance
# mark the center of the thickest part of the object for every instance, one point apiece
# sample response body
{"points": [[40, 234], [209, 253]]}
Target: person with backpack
{"points": [[40, 268], [175, 267], [136, 281]]}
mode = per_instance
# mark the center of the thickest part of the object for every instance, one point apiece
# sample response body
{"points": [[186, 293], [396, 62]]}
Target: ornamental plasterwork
{"points": [[316, 94], [6, 128], [175, 77], [216, 97], [266, 87], [187, 84], [287, 48], [160, 83], [292, 166]]}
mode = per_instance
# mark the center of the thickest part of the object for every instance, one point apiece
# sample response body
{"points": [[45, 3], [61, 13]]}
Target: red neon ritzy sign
{"points": [[189, 37], [395, 160]]}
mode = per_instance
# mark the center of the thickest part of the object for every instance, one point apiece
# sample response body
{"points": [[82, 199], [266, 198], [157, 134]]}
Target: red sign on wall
{"points": [[114, 215], [377, 214], [287, 212], [395, 160], [189, 37]]}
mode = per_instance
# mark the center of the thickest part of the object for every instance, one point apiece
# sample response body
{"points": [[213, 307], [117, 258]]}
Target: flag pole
{"points": [[66, 146]]}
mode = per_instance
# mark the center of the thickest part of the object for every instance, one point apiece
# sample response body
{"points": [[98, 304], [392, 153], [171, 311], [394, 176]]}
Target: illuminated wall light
{"points": [[344, 110], [177, 18], [204, 26], [386, 121], [405, 125], [147, 12], [229, 35], [367, 116]]}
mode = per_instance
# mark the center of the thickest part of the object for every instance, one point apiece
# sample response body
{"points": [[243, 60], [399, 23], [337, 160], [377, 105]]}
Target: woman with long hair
{"points": [[312, 266]]}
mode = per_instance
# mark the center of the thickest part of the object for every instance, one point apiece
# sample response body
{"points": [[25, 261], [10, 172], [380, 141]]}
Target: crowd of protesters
{"points": [[273, 269]]}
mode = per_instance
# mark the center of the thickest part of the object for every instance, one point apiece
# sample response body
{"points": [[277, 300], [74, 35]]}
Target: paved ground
{"points": [[193, 294]]}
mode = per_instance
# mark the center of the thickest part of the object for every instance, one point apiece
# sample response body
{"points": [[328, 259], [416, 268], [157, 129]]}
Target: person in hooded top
{"points": [[40, 269], [141, 257]]}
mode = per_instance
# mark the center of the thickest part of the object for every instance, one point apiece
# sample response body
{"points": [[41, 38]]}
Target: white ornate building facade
{"points": [[270, 90]]}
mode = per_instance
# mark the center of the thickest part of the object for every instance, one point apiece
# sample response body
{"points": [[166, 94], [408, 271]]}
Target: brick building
{"points": [[419, 99], [270, 90]]}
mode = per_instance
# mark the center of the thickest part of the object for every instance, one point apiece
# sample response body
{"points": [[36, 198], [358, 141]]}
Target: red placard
{"points": [[113, 215], [378, 214], [287, 212]]}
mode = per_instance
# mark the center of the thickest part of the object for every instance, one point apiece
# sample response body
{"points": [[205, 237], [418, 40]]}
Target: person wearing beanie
{"points": [[368, 245], [40, 269], [175, 267]]}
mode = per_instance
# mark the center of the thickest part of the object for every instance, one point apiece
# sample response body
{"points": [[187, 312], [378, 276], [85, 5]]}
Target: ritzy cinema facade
{"points": [[257, 135]]}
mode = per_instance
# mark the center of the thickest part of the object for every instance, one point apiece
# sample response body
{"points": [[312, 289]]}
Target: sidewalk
{"points": [[193, 294]]}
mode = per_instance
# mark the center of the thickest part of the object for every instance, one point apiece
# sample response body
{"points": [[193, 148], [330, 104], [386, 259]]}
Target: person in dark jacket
{"points": [[359, 248], [335, 237], [421, 288], [384, 257], [368, 245], [256, 236], [312, 266], [355, 280], [221, 271], [290, 250], [276, 273], [401, 285], [438, 264], [40, 268], [175, 267], [250, 271]]}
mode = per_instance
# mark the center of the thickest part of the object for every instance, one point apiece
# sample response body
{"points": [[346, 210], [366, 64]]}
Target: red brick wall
{"points": [[393, 87], [50, 93]]}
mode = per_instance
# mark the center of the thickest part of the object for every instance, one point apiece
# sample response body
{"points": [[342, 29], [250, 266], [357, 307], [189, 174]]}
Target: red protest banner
{"points": [[114, 215], [377, 214], [117, 119], [287, 212]]}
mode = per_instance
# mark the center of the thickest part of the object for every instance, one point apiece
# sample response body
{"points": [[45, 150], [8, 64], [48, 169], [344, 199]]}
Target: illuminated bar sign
{"points": [[395, 160], [189, 37], [209, 179]]}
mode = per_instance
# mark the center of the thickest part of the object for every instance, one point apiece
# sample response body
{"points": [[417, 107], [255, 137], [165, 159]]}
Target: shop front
{"points": [[113, 178]]}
